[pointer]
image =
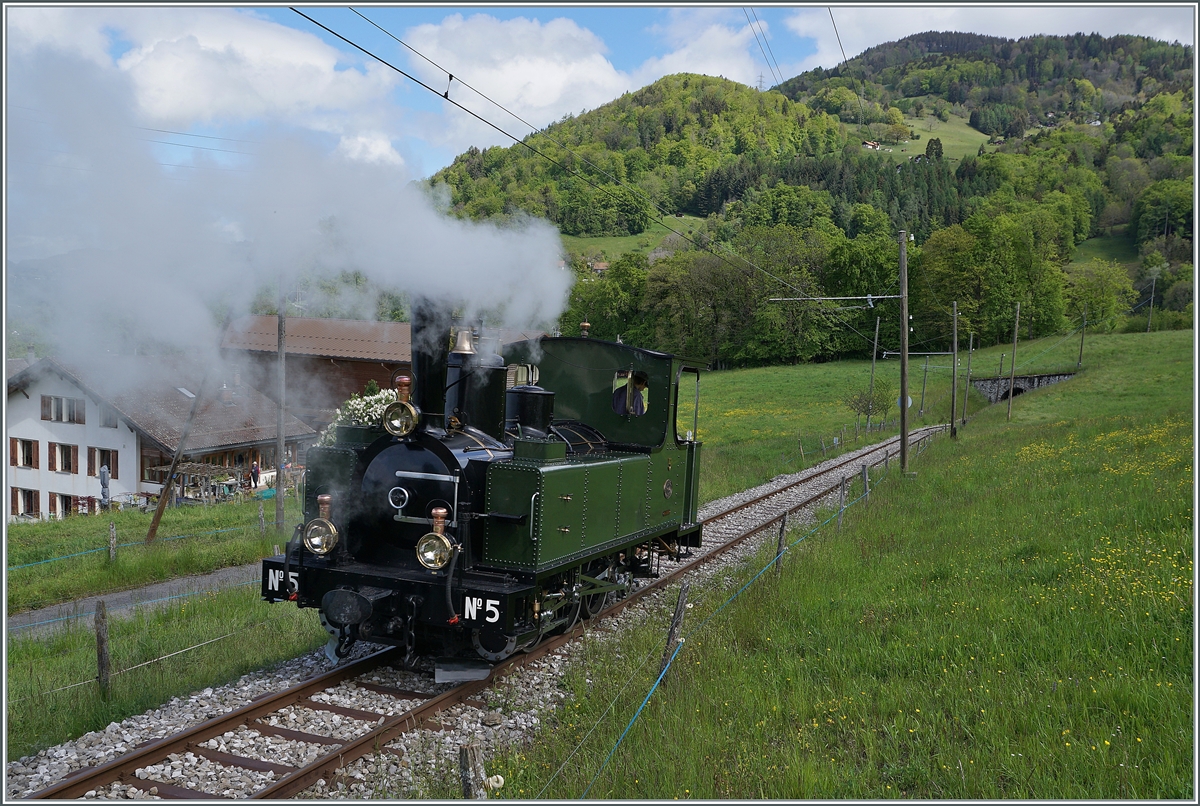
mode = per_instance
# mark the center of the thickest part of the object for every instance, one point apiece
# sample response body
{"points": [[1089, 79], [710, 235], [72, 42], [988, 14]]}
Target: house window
{"points": [[63, 409], [99, 457], [64, 458], [152, 458], [24, 502], [61, 505], [108, 416], [22, 452]]}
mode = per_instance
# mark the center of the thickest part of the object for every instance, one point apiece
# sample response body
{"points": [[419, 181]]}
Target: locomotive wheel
{"points": [[596, 602]]}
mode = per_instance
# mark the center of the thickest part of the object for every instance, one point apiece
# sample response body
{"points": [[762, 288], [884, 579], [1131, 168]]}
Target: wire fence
{"points": [[704, 623], [150, 662], [921, 445], [85, 614], [127, 545]]}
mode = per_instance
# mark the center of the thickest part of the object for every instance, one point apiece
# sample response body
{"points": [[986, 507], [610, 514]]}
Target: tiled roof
{"points": [[335, 338], [146, 391], [328, 338], [14, 365]]}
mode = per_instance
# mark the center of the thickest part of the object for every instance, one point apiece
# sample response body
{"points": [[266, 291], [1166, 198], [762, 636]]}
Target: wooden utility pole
{"points": [[903, 351], [1079, 363], [279, 442], [954, 371], [967, 384], [871, 385], [165, 495], [1012, 373]]}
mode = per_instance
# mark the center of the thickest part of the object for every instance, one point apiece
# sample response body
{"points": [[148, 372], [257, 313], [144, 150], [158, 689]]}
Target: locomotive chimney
{"points": [[430, 343]]}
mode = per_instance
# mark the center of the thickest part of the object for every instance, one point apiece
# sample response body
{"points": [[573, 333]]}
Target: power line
{"points": [[761, 49], [861, 112], [769, 48], [445, 96]]}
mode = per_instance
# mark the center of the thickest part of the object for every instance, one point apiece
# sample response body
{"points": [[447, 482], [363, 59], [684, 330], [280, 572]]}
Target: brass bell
{"points": [[463, 343]]}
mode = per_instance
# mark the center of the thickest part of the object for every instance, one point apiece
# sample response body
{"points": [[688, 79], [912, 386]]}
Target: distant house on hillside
{"points": [[127, 413]]}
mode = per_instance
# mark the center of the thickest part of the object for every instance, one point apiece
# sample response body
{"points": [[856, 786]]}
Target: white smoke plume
{"points": [[121, 239]]}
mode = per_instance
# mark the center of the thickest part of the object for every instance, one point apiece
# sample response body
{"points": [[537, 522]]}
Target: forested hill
{"points": [[1003, 85], [1073, 137]]}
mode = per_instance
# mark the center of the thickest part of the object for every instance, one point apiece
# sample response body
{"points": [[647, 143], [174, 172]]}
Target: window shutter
{"points": [[112, 470], [12, 452], [52, 458], [47, 407], [37, 449], [91, 461], [16, 501], [81, 410], [75, 459], [53, 501], [37, 502]]}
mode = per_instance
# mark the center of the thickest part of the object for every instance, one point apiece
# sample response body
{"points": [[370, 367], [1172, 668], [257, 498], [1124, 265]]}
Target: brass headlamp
{"points": [[434, 550], [320, 535], [401, 418]]}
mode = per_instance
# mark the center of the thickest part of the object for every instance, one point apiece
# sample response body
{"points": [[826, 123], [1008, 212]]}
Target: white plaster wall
{"points": [[25, 421]]}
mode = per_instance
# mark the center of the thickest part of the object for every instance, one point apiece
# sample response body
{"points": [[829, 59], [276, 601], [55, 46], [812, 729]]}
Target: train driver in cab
{"points": [[630, 397]]}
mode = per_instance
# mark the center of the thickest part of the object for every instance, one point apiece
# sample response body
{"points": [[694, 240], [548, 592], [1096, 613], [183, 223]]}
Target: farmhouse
{"points": [[327, 360], [127, 414]]}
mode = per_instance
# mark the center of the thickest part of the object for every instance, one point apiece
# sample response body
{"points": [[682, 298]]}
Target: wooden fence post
{"points": [[800, 442], [822, 447], [866, 483], [471, 773], [262, 523], [112, 541], [676, 626], [780, 547], [841, 502], [102, 662]]}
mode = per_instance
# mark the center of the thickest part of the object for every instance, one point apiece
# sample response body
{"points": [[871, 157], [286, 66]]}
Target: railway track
{"points": [[344, 734]]}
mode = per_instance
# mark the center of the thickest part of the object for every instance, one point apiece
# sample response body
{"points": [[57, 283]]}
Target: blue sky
{"points": [[214, 70]]}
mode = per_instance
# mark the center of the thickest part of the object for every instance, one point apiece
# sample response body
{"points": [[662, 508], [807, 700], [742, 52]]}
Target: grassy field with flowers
{"points": [[1014, 621]]}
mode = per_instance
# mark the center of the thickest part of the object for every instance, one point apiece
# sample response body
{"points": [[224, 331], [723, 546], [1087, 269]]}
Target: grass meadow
{"points": [[1014, 621], [611, 247], [58, 561]]}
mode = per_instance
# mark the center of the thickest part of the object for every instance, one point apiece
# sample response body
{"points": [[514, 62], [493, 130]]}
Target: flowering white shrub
{"points": [[358, 410]]}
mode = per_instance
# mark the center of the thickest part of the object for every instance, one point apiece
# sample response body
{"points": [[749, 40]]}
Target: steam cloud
{"points": [[108, 233]]}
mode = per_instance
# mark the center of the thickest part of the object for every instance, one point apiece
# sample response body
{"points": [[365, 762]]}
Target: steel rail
{"points": [[296, 779]]}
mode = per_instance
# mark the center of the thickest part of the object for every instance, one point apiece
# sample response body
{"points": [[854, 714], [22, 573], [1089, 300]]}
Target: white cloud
{"points": [[370, 148], [861, 27], [196, 66], [705, 43], [540, 71]]}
